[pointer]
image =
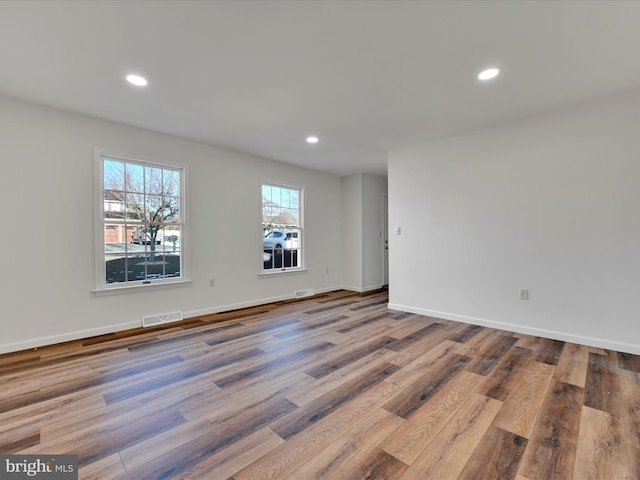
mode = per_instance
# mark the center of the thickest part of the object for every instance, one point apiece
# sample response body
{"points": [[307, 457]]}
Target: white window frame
{"points": [[301, 267], [100, 283]]}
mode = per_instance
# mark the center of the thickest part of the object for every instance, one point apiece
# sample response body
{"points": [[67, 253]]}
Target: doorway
{"points": [[385, 240]]}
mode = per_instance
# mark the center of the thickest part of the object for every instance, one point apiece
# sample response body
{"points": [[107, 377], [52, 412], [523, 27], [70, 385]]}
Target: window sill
{"points": [[276, 272], [138, 287]]}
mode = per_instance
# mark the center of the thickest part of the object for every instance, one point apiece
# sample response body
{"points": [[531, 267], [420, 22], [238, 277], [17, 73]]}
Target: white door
{"points": [[385, 239]]}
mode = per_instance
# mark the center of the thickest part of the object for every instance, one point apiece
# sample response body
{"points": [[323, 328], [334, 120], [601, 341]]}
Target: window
{"points": [[141, 222], [282, 228]]}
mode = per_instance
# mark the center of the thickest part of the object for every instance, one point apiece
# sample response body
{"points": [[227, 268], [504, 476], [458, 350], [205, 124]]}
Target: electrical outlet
{"points": [[326, 270], [524, 294], [212, 282]]}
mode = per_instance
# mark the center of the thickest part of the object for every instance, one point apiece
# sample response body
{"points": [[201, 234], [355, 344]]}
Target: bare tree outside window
{"points": [[147, 195]]}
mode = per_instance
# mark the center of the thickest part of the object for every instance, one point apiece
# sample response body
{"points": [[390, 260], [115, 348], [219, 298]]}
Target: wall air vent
{"points": [[153, 320], [304, 293]]}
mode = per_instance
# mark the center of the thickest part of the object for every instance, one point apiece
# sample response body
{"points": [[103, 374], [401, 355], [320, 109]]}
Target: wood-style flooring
{"points": [[332, 387]]}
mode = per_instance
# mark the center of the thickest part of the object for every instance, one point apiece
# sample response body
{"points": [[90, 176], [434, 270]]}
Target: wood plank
{"points": [[572, 365], [340, 361], [415, 364], [291, 455], [509, 372], [19, 438], [305, 393], [628, 407], [599, 453], [286, 361], [627, 361], [307, 325], [409, 440], [357, 453], [551, 450], [417, 336], [319, 408], [473, 345], [497, 456], [521, 407], [228, 431], [126, 430], [225, 462], [107, 467], [186, 370], [487, 358], [602, 386], [465, 429], [420, 391], [550, 351]]}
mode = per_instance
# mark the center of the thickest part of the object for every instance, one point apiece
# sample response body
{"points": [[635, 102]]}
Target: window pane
{"points": [[113, 204], [171, 185], [267, 259], [153, 208], [171, 210], [136, 267], [134, 178], [266, 193], [153, 180], [115, 236], [155, 265], [134, 204], [113, 175], [284, 197], [172, 239], [290, 258], [172, 266], [115, 268]]}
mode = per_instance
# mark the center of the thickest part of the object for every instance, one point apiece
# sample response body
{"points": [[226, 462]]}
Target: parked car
{"points": [[143, 236], [280, 239]]}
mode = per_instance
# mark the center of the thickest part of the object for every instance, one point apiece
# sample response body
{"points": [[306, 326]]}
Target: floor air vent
{"points": [[154, 320], [304, 293]]}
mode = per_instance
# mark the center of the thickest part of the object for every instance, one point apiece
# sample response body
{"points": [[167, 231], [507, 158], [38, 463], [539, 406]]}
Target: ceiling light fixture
{"points": [[312, 139], [137, 80], [488, 74]]}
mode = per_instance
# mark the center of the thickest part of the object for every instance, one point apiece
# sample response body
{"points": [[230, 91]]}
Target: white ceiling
{"points": [[364, 76]]}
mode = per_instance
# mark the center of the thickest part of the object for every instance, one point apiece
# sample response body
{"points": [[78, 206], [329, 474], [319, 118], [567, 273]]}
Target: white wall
{"points": [[47, 187], [549, 203], [352, 231]]}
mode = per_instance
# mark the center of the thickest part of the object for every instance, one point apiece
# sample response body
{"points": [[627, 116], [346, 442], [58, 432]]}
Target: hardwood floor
{"points": [[333, 387]]}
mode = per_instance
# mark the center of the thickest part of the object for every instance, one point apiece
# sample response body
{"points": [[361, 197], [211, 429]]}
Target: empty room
{"points": [[304, 240]]}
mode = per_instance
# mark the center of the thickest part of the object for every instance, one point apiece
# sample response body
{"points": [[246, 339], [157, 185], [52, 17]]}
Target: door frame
{"points": [[385, 239]]}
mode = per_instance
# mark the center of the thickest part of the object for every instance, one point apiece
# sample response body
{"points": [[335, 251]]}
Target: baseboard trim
{"points": [[511, 327], [253, 303], [362, 289], [34, 343]]}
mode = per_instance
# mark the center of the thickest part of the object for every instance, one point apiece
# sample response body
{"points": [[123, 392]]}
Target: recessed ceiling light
{"points": [[488, 74], [312, 139], [137, 80]]}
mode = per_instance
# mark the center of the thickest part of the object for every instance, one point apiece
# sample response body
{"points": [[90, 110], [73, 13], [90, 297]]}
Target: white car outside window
{"points": [[287, 240]]}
